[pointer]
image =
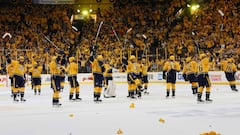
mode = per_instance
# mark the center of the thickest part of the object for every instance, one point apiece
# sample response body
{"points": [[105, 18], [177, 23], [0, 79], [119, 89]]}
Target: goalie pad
{"points": [[111, 90], [236, 76]]}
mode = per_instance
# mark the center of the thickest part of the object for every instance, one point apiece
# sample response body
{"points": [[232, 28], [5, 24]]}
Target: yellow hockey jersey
{"points": [[171, 66], [224, 64], [97, 66], [54, 68], [10, 70], [133, 68], [190, 67], [231, 68], [107, 72], [72, 69], [144, 69], [19, 69], [203, 66], [36, 72]]}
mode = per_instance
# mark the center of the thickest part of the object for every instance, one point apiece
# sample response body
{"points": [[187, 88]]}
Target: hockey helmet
{"points": [[71, 59]]}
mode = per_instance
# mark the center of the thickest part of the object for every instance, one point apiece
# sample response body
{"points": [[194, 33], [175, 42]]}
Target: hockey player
{"points": [[62, 62], [10, 70], [55, 80], [170, 70], [35, 73], [62, 76], [108, 78], [203, 78], [72, 70], [19, 78], [144, 75], [97, 69], [230, 70], [134, 84], [190, 72], [224, 62]]}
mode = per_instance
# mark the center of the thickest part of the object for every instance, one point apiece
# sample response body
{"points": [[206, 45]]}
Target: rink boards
{"points": [[216, 77]]}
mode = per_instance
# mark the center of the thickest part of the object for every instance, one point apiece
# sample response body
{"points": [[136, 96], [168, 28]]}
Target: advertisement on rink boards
{"points": [[216, 77]]}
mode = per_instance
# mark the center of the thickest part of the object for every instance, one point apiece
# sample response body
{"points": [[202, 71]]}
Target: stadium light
{"points": [[90, 10], [194, 7], [85, 12]]}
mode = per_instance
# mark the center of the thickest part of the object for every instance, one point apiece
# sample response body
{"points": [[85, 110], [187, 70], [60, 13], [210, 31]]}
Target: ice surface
{"points": [[182, 115]]}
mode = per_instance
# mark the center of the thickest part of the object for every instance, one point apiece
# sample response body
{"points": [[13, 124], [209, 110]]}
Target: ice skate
{"points": [[199, 98], [78, 99], [146, 93], [132, 97], [72, 99], [97, 100], [15, 100], [23, 100], [200, 101], [139, 94], [236, 90], [208, 97], [209, 100], [57, 104], [173, 94], [167, 95]]}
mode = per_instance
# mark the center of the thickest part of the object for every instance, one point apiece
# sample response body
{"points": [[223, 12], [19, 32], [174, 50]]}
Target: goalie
{"points": [[109, 84]]}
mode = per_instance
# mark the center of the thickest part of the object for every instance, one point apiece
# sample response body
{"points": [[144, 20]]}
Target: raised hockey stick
{"points": [[50, 41], [98, 31], [145, 45]]}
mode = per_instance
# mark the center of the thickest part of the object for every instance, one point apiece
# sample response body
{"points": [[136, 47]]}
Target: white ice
{"points": [[182, 115]]}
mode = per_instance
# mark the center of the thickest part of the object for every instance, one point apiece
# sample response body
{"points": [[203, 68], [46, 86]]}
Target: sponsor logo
{"points": [[4, 79], [87, 78], [48, 79], [180, 76], [150, 76], [216, 77], [160, 76], [120, 76]]}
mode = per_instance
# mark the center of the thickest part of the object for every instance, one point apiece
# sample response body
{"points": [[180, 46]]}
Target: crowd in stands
{"points": [[158, 30]]}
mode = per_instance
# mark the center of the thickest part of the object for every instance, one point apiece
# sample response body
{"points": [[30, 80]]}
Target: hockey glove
{"points": [[185, 77], [164, 75]]}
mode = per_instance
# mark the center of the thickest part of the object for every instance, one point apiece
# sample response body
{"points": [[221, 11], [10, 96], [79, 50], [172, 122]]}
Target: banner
{"points": [[216, 77]]}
